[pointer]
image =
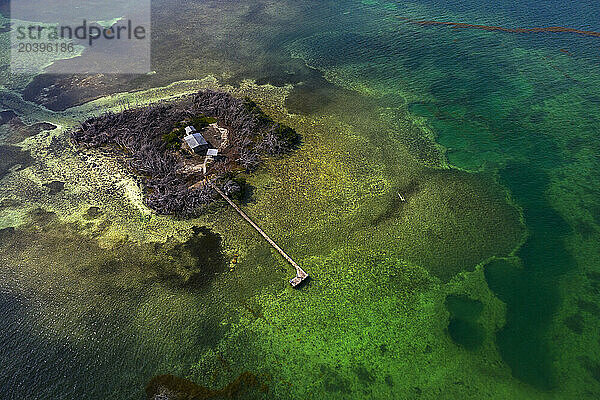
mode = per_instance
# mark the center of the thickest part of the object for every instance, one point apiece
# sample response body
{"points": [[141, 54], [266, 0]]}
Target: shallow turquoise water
{"points": [[511, 103], [514, 136]]}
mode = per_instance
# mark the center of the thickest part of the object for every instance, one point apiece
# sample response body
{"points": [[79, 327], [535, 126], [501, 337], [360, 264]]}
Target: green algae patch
{"points": [[326, 335], [366, 326], [459, 211]]}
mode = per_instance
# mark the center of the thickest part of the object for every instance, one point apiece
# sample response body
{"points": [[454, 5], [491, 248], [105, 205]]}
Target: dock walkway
{"points": [[301, 275]]}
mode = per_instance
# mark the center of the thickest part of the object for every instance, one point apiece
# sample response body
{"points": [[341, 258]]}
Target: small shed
{"points": [[195, 141]]}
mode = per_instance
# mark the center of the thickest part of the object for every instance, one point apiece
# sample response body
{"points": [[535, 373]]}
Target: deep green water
{"points": [[444, 280]]}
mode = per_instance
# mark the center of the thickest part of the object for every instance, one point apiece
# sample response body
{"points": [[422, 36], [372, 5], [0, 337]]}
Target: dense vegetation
{"points": [[148, 139]]}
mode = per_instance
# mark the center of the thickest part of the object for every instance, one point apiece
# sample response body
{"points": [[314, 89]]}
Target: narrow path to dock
{"points": [[301, 275]]}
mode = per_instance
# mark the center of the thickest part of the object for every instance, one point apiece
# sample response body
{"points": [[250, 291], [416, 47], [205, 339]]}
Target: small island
{"points": [[179, 151], [186, 154]]}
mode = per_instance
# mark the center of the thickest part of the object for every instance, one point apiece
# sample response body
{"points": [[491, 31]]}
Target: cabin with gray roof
{"points": [[195, 141]]}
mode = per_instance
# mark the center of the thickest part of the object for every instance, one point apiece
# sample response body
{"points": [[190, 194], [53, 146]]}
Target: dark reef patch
{"points": [[92, 212], [54, 187], [591, 366], [333, 381], [593, 275], [575, 323], [10, 203], [463, 327], [188, 265], [530, 290], [589, 307], [586, 229], [58, 92], [364, 375], [169, 387], [465, 333], [6, 116], [389, 380], [13, 156], [205, 248], [13, 130]]}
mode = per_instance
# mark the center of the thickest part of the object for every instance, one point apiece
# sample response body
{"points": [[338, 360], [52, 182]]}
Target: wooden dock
{"points": [[301, 275]]}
